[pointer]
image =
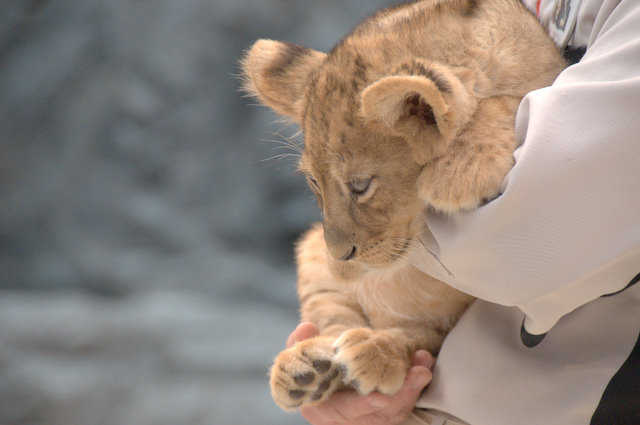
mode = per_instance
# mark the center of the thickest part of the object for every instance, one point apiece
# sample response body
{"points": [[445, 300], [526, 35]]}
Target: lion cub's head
{"points": [[370, 124]]}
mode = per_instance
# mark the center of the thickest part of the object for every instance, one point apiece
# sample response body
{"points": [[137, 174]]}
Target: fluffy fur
{"points": [[413, 110]]}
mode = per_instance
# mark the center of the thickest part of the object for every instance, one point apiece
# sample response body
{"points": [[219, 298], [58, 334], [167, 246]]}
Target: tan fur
{"points": [[412, 110]]}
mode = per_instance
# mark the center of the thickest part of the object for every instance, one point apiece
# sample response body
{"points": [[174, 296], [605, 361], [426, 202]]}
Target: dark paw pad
{"points": [[321, 366], [297, 394], [317, 395], [324, 385], [304, 379]]}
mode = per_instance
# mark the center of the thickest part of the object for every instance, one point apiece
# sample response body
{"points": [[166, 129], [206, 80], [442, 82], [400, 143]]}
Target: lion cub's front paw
{"points": [[450, 185], [373, 360], [364, 359], [305, 373]]}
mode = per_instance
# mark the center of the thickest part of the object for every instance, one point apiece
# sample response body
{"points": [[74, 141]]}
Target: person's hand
{"points": [[351, 408]]}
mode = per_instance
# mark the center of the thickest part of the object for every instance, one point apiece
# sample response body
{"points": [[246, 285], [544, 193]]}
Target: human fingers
{"points": [[423, 358], [347, 407], [374, 409], [377, 409], [401, 403], [304, 330]]}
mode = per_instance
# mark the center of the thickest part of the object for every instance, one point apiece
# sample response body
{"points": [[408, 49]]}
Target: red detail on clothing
{"points": [[538, 9]]}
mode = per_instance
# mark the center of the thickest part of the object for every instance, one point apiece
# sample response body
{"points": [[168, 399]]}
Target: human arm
{"points": [[566, 229]]}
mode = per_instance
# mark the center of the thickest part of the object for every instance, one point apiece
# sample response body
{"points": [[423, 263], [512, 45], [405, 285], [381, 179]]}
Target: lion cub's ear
{"points": [[425, 103], [278, 74]]}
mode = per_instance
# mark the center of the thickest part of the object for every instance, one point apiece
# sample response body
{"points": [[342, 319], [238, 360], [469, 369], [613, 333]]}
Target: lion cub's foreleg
{"points": [[349, 353]]}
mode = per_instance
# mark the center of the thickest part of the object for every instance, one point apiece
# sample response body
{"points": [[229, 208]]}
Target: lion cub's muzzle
{"points": [[339, 242]]}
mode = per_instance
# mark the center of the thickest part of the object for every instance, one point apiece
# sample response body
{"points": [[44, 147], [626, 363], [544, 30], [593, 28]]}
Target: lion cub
{"points": [[413, 110]]}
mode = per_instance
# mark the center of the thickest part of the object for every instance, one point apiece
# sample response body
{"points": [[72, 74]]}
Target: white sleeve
{"points": [[566, 229]]}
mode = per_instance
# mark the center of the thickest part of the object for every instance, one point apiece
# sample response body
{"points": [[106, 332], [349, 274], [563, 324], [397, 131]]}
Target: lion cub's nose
{"points": [[350, 255], [342, 253], [338, 244]]}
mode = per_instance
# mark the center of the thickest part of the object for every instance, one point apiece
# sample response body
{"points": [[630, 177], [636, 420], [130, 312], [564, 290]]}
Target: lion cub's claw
{"points": [[305, 374]]}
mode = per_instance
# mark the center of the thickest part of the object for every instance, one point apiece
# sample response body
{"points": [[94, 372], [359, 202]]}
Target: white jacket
{"points": [[564, 232]]}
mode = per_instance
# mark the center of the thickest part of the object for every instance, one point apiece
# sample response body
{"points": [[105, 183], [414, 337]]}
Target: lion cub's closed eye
{"points": [[414, 109], [359, 186]]}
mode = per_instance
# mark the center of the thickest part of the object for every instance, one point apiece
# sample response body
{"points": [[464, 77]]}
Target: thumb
{"points": [[305, 330], [405, 399], [423, 358]]}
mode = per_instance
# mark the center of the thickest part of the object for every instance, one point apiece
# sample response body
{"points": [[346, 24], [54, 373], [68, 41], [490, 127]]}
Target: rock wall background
{"points": [[145, 246]]}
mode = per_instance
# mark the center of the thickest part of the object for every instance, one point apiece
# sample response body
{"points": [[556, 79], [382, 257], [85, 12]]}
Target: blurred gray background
{"points": [[145, 244]]}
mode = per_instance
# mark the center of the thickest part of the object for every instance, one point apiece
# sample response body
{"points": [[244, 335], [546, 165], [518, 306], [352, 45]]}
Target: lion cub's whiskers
{"points": [[289, 144]]}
